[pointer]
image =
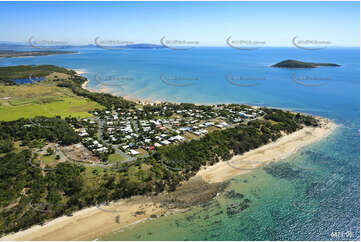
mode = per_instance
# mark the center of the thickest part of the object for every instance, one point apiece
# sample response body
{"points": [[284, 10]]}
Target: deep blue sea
{"points": [[321, 203]]}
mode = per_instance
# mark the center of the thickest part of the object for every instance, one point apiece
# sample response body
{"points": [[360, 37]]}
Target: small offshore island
{"points": [[68, 150], [300, 64]]}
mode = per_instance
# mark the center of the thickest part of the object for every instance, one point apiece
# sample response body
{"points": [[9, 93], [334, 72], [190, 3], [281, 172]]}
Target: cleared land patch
{"points": [[42, 99]]}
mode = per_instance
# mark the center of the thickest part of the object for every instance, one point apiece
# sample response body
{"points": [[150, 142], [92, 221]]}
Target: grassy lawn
{"points": [[42, 99], [113, 158], [93, 176], [190, 136], [142, 151], [75, 107], [212, 128], [49, 160]]}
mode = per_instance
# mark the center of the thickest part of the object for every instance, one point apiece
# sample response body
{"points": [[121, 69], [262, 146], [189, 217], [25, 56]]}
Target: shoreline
{"points": [[282, 148], [51, 54], [91, 223]]}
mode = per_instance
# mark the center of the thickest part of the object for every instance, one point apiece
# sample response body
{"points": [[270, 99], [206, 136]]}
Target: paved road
{"points": [[117, 150]]}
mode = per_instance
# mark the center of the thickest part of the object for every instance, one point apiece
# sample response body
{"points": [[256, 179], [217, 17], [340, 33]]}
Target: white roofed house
{"points": [[102, 149], [178, 138], [84, 133], [207, 124], [157, 145], [203, 131], [133, 152], [197, 133], [224, 124], [165, 142]]}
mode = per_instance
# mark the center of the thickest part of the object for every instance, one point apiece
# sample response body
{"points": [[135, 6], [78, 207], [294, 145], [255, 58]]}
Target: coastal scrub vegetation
{"points": [[10, 73], [32, 193]]}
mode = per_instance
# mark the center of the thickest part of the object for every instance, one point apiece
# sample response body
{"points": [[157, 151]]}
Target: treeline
{"points": [[27, 130], [105, 99], [10, 73]]}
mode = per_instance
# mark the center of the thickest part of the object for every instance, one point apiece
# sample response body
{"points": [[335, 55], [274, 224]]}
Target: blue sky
{"points": [[210, 23]]}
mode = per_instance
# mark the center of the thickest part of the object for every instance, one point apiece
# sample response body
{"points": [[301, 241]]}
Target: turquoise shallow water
{"points": [[317, 200]]}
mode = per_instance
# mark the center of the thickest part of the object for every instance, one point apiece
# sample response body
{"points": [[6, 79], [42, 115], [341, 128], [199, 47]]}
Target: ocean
{"points": [[312, 195]]}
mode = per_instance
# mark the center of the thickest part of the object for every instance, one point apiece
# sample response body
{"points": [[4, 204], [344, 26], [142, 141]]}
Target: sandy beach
{"points": [[84, 84], [91, 223], [278, 150], [80, 71], [102, 90]]}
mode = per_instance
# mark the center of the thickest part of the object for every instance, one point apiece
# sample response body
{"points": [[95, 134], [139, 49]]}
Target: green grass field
{"points": [[43, 99], [68, 106]]}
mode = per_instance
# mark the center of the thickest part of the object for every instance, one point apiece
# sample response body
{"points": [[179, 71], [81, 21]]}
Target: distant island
{"points": [[144, 46], [74, 149], [12, 53], [300, 64]]}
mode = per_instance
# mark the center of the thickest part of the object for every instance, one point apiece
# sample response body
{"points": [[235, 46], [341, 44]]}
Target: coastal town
{"points": [[138, 132]]}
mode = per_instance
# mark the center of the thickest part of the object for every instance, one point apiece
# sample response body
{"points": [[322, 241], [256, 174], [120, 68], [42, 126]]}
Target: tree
{"points": [[6, 146], [49, 151]]}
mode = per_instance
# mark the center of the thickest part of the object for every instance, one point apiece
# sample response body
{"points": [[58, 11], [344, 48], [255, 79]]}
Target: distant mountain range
{"points": [[5, 45]]}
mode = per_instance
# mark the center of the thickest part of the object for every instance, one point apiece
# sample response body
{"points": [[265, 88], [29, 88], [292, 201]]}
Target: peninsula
{"points": [[95, 152], [11, 53]]}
